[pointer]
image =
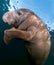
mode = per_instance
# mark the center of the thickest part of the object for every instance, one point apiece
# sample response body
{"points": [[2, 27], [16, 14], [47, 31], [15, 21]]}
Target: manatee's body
{"points": [[30, 27]]}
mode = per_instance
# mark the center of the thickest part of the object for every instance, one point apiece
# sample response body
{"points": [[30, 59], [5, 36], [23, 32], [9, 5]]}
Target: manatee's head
{"points": [[16, 17], [10, 17]]}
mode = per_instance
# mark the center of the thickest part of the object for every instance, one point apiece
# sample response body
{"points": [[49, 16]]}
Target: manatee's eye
{"points": [[19, 13]]}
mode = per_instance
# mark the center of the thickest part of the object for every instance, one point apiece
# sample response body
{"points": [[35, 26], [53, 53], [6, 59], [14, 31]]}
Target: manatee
{"points": [[26, 25]]}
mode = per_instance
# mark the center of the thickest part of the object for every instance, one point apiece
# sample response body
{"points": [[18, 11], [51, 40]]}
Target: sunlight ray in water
{"points": [[13, 5]]}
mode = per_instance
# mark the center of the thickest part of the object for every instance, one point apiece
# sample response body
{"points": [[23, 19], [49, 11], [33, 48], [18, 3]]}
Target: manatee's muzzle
{"points": [[4, 18]]}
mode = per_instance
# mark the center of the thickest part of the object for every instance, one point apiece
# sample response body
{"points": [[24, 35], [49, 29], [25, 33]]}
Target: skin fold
{"points": [[28, 26]]}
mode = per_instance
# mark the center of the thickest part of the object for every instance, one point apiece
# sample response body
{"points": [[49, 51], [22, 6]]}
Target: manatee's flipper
{"points": [[6, 39], [26, 35], [7, 36]]}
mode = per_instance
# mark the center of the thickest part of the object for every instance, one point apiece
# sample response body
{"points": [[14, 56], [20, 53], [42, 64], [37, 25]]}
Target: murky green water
{"points": [[15, 52]]}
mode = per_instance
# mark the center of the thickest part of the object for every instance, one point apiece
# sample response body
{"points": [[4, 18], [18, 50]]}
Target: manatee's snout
{"points": [[5, 17], [10, 17]]}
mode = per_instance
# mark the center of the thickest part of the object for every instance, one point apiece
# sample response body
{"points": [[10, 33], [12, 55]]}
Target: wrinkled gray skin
{"points": [[29, 27]]}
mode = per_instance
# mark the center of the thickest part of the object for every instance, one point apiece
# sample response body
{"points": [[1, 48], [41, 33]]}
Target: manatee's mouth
{"points": [[15, 25]]}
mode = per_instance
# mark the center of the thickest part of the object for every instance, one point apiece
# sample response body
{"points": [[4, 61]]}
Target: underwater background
{"points": [[15, 52]]}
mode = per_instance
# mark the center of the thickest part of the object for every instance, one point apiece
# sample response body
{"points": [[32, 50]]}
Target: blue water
{"points": [[15, 52]]}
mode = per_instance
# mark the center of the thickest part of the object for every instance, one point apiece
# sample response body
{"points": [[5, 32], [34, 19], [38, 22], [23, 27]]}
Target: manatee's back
{"points": [[24, 11], [39, 45]]}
